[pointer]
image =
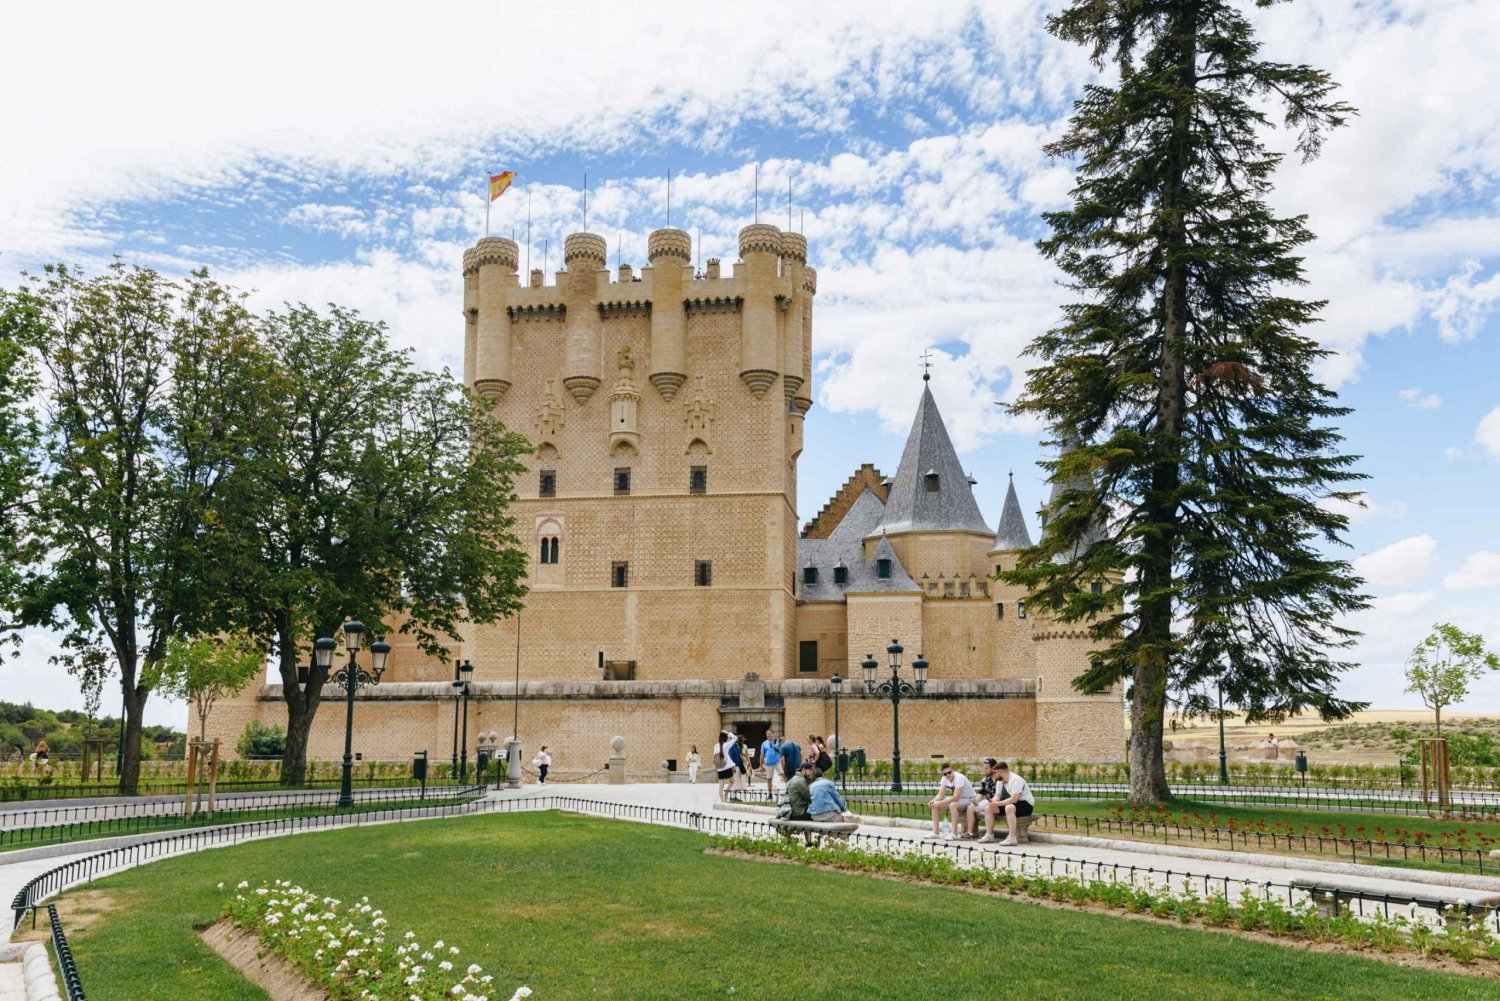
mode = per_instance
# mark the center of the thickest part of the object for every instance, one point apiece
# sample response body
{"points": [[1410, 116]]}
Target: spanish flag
{"points": [[500, 182]]}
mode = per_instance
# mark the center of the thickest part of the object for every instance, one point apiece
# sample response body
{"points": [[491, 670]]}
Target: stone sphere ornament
{"points": [[617, 744]]}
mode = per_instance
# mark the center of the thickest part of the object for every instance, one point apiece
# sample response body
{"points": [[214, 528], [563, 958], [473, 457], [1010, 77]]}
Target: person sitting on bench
{"points": [[986, 793], [955, 793], [799, 794], [827, 805], [1012, 795]]}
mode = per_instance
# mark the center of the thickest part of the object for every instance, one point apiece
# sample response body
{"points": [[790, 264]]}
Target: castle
{"points": [[671, 593]]}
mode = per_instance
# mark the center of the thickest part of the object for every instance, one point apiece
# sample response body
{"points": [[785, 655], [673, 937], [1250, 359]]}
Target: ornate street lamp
{"points": [[352, 677], [1223, 757], [465, 672], [895, 688]]}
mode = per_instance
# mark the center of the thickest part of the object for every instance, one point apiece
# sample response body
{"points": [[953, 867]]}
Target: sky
{"points": [[328, 153]]}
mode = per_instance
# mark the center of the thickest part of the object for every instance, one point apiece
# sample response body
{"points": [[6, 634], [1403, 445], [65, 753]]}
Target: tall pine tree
{"points": [[1199, 444]]}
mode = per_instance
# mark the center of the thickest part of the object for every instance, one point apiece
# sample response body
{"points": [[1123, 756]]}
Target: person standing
{"points": [[770, 757], [693, 761], [955, 793], [827, 806], [791, 759], [737, 760], [817, 753], [542, 761], [1013, 796], [723, 767]]}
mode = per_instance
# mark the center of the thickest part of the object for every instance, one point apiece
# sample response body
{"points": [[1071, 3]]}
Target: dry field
{"points": [[1370, 737]]}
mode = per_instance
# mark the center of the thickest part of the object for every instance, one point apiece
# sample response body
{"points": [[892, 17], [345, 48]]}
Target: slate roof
{"points": [[846, 545], [1012, 533], [1095, 531], [910, 506]]}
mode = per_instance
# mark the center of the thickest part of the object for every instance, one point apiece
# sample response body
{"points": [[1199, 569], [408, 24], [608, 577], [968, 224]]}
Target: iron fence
{"points": [[1363, 904], [13, 793], [72, 985]]}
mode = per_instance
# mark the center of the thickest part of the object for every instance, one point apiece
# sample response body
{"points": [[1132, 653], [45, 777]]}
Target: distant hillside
{"points": [[23, 725]]}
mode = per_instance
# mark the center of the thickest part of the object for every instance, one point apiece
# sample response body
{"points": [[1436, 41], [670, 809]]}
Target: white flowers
{"points": [[335, 946]]}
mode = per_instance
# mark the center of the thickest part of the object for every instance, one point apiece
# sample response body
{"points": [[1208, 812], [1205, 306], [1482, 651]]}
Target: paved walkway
{"points": [[12, 983]]}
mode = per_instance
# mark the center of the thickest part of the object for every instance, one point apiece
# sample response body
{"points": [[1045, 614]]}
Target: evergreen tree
{"points": [[1198, 442]]}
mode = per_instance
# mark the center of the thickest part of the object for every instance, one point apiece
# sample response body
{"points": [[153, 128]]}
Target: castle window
{"points": [[963, 589], [999, 609], [1021, 609], [1096, 588], [932, 481], [698, 480], [998, 571], [841, 574], [619, 574], [947, 589], [546, 553], [554, 549], [809, 575], [883, 569], [703, 573], [622, 480], [547, 487], [807, 656]]}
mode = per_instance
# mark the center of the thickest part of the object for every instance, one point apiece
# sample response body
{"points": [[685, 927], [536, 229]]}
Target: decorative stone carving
{"points": [[700, 408], [549, 416]]}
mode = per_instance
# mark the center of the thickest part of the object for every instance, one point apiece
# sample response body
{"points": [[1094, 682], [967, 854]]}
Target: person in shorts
{"points": [[1014, 798], [723, 767], [770, 757], [982, 800], [955, 793]]}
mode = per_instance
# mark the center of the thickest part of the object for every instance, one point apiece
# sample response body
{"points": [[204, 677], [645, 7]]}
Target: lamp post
{"points": [[352, 677], [837, 684], [895, 688], [461, 687], [1223, 757]]}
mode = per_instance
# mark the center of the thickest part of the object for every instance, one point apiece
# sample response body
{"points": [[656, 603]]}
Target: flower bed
{"points": [[1465, 940], [347, 950]]}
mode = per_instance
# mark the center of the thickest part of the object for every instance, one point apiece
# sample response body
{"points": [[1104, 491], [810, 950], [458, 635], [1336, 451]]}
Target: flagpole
{"points": [[757, 191], [527, 282], [585, 201], [669, 197], [488, 201]]}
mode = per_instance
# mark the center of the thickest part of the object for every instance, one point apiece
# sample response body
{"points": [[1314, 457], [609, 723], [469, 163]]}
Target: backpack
{"points": [[719, 757]]}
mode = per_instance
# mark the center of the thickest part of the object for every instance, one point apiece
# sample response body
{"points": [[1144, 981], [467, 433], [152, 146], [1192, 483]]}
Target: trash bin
{"points": [[482, 762], [1301, 764], [843, 764], [419, 767], [671, 764]]}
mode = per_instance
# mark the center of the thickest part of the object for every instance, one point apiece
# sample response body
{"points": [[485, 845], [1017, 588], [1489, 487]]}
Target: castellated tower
{"points": [[666, 410]]}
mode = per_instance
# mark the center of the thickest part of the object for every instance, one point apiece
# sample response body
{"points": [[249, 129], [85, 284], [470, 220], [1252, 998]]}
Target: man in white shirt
{"points": [[1013, 796], [955, 793]]}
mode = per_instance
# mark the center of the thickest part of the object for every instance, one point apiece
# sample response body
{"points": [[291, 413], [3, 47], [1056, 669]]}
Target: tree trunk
{"points": [[301, 707], [1437, 719], [130, 770], [1152, 674]]}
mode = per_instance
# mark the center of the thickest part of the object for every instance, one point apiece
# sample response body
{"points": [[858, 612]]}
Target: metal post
{"points": [[1223, 756], [837, 739], [346, 787], [463, 753], [895, 733], [453, 770]]}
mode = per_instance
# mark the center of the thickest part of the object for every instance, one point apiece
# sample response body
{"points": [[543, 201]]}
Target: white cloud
{"points": [[1479, 569], [1364, 508], [1488, 432], [1453, 453], [1401, 564], [1462, 305], [1422, 401]]}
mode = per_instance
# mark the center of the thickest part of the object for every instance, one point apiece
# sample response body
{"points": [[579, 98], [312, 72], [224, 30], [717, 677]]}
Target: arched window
{"points": [[546, 553], [549, 549], [554, 550]]}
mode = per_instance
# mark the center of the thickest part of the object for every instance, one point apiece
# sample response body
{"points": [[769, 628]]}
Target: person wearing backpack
{"points": [[723, 766]]}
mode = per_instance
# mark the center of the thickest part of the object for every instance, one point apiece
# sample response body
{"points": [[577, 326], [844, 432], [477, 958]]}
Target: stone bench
{"points": [[809, 828], [1023, 827]]}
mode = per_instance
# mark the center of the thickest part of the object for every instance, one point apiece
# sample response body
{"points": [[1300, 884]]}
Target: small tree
{"points": [[1441, 667], [204, 669]]}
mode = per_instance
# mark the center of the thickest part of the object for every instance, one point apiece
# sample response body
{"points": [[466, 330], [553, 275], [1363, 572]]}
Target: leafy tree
{"points": [[149, 386], [19, 466], [1442, 666], [1197, 444], [204, 669], [381, 492]]}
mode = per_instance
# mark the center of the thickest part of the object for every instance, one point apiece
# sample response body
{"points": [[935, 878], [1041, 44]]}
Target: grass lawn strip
{"points": [[577, 907]]}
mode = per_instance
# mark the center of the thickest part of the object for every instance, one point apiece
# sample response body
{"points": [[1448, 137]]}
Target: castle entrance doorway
{"points": [[752, 733]]}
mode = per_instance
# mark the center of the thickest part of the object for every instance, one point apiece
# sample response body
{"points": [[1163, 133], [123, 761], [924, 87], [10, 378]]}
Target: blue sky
{"points": [[316, 153]]}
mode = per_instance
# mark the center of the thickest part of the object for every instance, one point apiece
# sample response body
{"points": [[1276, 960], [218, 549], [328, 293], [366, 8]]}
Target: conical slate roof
{"points": [[911, 506], [846, 546], [1012, 533]]}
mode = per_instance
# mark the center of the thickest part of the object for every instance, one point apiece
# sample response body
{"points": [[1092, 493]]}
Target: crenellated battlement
{"points": [[769, 289]]}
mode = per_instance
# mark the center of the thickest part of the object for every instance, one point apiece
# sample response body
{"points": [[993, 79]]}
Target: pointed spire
{"points": [[1012, 533], [930, 491]]}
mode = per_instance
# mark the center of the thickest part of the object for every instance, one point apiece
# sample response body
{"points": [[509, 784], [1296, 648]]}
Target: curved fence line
{"points": [[61, 823], [1361, 904], [72, 985]]}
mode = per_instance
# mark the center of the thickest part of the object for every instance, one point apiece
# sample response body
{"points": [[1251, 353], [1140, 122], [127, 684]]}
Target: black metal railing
{"points": [[11, 793], [1360, 903], [66, 968]]}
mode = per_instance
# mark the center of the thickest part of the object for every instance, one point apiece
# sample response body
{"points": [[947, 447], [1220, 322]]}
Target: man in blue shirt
{"points": [[791, 758], [770, 758], [827, 806]]}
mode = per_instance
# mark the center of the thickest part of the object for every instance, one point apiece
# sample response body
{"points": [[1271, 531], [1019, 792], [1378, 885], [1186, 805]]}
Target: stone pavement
{"points": [[12, 982]]}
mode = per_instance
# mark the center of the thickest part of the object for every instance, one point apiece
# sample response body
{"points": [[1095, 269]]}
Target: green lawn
{"points": [[578, 907]]}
